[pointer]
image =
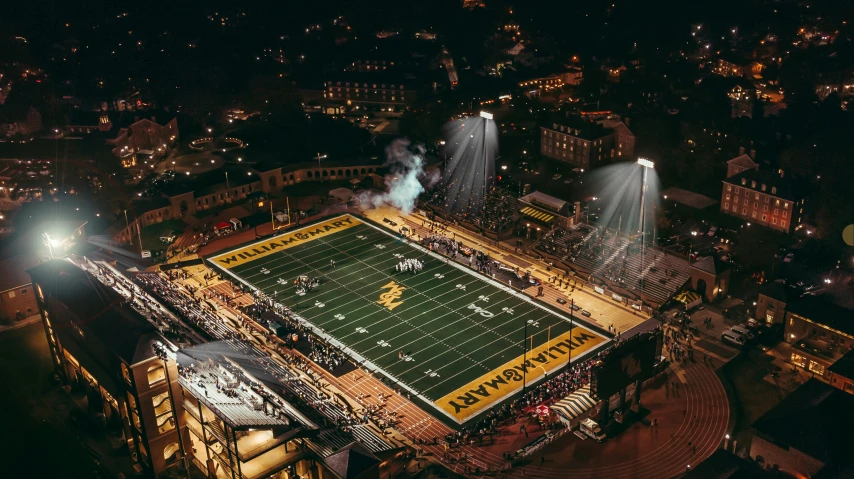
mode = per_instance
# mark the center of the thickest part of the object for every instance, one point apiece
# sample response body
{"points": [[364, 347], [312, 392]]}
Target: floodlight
{"points": [[646, 163], [486, 114]]}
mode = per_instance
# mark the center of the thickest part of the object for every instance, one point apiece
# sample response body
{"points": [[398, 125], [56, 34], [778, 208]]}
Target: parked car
{"points": [[561, 301], [732, 338], [789, 257], [584, 312], [713, 230], [556, 176], [744, 332], [574, 307]]}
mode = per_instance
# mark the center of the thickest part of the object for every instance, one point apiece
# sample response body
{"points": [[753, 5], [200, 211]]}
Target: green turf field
{"points": [[462, 333]]}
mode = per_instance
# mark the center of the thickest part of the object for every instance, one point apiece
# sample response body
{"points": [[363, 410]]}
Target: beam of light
{"points": [[471, 146], [620, 187]]}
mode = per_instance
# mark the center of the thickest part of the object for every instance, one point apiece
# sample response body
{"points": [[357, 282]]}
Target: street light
{"points": [[486, 114]]}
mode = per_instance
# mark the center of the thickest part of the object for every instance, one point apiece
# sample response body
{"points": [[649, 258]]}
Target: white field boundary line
{"points": [[368, 363]]}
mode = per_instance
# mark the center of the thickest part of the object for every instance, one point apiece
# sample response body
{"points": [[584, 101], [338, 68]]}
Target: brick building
{"points": [[587, 144], [765, 198], [17, 300]]}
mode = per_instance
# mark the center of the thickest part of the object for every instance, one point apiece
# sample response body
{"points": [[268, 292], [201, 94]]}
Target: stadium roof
{"points": [[247, 367], [98, 311], [815, 419]]}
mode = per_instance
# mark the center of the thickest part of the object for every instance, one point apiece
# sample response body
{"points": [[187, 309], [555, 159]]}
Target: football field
{"points": [[462, 335]]}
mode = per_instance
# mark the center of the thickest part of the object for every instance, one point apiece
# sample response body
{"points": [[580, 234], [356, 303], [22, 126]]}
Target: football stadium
{"points": [[456, 339]]}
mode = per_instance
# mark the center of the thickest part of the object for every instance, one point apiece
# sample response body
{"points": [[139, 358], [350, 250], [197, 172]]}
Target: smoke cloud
{"points": [[406, 178]]}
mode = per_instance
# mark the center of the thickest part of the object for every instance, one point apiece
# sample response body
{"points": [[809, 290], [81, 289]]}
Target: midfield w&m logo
{"points": [[393, 294]]}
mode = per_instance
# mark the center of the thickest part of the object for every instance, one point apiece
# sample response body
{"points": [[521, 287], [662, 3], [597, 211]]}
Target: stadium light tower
{"points": [[486, 117], [646, 165]]}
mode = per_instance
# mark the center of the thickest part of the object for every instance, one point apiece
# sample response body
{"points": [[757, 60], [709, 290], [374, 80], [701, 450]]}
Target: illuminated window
{"points": [[156, 374], [816, 368], [798, 360], [163, 412]]}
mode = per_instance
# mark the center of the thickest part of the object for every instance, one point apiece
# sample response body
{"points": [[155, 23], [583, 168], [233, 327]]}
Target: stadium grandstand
{"points": [[618, 261]]}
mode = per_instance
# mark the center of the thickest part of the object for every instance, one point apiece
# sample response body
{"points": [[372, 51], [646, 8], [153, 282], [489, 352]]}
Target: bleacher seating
{"points": [[618, 259]]}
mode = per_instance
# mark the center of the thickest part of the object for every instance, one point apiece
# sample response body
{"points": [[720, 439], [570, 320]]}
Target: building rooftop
{"points": [[844, 366], [548, 200], [688, 198], [814, 419], [821, 310], [14, 270], [744, 161], [777, 291], [351, 461], [711, 265], [579, 127], [786, 187], [723, 464]]}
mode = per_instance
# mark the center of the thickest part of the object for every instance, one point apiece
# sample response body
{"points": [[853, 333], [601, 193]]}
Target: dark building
{"points": [[104, 348], [842, 373], [807, 433]]}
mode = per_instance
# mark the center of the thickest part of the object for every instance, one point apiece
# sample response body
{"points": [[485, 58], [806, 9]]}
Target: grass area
{"points": [[151, 234], [460, 334]]}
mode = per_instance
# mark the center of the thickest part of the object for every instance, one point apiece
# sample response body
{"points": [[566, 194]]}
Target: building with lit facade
{"points": [[144, 136], [819, 333], [587, 144], [762, 197], [243, 427]]}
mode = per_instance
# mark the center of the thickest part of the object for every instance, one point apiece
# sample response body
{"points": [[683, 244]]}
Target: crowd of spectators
{"points": [[500, 212]]}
